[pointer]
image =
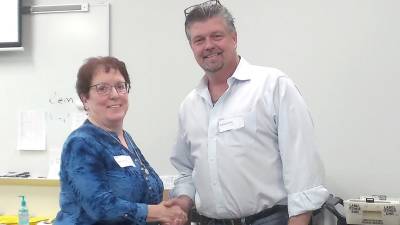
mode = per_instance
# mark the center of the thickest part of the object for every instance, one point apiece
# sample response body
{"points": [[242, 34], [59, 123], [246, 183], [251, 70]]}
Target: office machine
{"points": [[376, 209]]}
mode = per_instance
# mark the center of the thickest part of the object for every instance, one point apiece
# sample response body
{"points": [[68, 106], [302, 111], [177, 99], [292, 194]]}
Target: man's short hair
{"points": [[202, 12]]}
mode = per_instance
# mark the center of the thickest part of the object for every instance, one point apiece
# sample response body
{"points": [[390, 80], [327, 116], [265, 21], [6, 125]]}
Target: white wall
{"points": [[343, 55]]}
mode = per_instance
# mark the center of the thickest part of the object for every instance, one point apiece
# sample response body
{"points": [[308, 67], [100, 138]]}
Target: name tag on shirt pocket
{"points": [[124, 161], [230, 124]]}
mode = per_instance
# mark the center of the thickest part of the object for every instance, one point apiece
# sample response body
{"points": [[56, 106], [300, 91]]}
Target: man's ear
{"points": [[234, 36]]}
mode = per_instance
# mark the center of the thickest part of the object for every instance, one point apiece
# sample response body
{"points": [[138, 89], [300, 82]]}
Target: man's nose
{"points": [[209, 44]]}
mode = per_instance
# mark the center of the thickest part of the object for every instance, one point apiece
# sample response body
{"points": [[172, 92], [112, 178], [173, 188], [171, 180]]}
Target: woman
{"points": [[104, 177]]}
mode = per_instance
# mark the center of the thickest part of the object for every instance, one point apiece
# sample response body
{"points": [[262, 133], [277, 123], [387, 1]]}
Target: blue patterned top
{"points": [[95, 189]]}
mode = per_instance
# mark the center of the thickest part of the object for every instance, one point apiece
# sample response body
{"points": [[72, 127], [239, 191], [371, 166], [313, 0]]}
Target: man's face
{"points": [[213, 44]]}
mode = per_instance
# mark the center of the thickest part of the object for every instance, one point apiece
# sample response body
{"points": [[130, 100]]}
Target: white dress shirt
{"points": [[252, 149]]}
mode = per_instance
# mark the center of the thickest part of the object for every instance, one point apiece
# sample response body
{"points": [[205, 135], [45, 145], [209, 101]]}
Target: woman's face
{"points": [[106, 109]]}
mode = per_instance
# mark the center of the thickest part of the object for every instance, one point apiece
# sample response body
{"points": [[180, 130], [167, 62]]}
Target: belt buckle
{"points": [[237, 221]]}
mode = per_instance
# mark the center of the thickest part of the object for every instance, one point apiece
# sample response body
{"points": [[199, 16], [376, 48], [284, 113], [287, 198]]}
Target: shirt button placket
{"points": [[212, 152]]}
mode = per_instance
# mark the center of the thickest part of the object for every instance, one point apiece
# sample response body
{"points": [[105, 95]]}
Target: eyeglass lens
{"points": [[104, 88]]}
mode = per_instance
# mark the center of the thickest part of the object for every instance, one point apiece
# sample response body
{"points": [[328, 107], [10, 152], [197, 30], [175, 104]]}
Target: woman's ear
{"points": [[83, 98], [84, 101]]}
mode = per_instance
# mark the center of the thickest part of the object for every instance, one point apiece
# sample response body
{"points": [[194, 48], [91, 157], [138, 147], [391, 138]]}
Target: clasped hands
{"points": [[176, 210]]}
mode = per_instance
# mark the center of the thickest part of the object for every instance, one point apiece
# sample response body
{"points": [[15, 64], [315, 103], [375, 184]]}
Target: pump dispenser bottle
{"points": [[23, 213]]}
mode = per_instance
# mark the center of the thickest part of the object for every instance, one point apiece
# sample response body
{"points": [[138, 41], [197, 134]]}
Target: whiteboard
{"points": [[43, 78]]}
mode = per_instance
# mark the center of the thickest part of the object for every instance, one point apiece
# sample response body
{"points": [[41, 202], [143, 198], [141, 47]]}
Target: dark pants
{"points": [[280, 217]]}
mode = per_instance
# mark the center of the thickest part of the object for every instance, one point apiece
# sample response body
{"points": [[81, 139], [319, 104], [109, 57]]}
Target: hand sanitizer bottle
{"points": [[23, 213]]}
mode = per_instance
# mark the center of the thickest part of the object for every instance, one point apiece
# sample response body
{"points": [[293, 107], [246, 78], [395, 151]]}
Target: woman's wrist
{"points": [[154, 213]]}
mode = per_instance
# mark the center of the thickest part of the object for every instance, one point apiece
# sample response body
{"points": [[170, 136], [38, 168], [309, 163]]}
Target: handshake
{"points": [[171, 212]]}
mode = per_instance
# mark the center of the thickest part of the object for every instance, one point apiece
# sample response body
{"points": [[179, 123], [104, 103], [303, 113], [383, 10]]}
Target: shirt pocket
{"points": [[237, 130]]}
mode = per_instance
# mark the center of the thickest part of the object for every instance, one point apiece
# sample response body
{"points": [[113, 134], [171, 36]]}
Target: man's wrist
{"points": [[301, 219], [185, 202]]}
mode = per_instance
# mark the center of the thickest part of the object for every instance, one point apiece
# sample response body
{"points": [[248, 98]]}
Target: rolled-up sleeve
{"points": [[307, 200], [303, 172]]}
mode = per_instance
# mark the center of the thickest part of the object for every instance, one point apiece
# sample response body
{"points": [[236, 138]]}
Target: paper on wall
{"points": [[168, 181], [77, 119], [31, 130]]}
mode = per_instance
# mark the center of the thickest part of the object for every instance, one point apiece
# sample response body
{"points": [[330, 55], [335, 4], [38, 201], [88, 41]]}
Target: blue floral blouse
{"points": [[97, 188]]}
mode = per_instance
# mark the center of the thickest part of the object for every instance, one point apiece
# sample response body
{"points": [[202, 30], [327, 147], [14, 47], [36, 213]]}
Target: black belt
{"points": [[245, 220]]}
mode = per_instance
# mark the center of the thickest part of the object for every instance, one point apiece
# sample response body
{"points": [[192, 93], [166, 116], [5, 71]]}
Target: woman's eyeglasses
{"points": [[105, 89], [207, 3]]}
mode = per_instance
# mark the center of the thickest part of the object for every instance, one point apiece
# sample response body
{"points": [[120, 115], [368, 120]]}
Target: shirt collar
{"points": [[202, 88], [241, 73]]}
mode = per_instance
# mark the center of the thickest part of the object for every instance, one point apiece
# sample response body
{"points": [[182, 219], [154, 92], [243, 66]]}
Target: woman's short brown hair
{"points": [[91, 66]]}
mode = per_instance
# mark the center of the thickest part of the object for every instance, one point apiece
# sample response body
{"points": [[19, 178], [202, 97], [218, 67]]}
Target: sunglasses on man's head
{"points": [[207, 3]]}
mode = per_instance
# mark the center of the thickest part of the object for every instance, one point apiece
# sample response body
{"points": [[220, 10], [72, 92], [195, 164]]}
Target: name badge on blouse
{"points": [[230, 124], [124, 160]]}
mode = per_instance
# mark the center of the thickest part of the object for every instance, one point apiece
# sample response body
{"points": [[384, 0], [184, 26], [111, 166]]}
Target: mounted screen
{"points": [[10, 23]]}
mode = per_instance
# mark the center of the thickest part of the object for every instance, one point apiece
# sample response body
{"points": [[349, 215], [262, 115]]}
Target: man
{"points": [[245, 149]]}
